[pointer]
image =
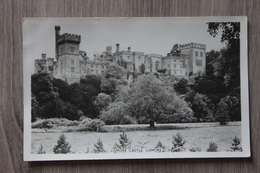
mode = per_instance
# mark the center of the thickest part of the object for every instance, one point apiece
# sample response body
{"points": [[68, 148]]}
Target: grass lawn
{"points": [[82, 142]]}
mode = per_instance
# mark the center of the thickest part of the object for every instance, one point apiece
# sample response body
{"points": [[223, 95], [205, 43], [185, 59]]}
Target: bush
{"points": [[53, 123], [213, 147], [41, 150], [159, 145], [195, 147], [222, 113], [124, 143], [90, 125], [235, 145], [99, 147], [178, 143], [62, 146]]}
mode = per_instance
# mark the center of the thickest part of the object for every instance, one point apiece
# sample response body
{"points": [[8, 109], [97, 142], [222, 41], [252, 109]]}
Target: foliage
{"points": [[199, 104], [178, 143], [181, 87], [34, 108], [41, 150], [90, 125], [62, 146], [235, 144], [124, 143], [115, 71], [53, 123], [102, 101], [233, 106], [148, 99], [159, 145], [116, 113], [98, 147], [222, 114], [228, 64], [63, 89], [213, 147]]}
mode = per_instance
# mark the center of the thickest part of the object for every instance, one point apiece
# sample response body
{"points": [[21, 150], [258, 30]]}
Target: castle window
{"points": [[96, 72], [102, 67], [72, 49], [144, 62], [139, 58], [174, 65], [91, 65], [175, 60], [201, 54], [72, 62], [196, 53], [72, 69], [128, 57], [169, 65], [198, 62]]}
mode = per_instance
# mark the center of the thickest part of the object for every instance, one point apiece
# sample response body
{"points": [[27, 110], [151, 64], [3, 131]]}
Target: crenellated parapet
{"points": [[154, 55], [68, 38], [139, 53], [192, 45]]}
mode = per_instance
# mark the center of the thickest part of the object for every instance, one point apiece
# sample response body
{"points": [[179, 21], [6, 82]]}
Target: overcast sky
{"points": [[148, 35]]}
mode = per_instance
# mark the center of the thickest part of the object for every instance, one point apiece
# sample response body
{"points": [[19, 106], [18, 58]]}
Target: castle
{"points": [[70, 63]]}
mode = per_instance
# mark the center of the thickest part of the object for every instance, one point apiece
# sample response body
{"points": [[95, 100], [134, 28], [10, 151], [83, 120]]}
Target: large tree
{"points": [[149, 100], [227, 65]]}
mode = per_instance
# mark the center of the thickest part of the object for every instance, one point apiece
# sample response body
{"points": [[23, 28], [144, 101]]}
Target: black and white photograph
{"points": [[135, 88]]}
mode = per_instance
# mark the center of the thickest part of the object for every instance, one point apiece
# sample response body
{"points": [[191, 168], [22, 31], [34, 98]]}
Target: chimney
{"points": [[57, 30], [129, 49], [117, 47], [43, 55]]}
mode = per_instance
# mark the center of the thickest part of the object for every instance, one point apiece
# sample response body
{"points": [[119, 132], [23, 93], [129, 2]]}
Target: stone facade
{"points": [[70, 63]]}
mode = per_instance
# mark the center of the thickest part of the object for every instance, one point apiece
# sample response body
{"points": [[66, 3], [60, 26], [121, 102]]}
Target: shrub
{"points": [[159, 145], [124, 143], [235, 145], [62, 146], [90, 125], [178, 143], [53, 123], [213, 147], [222, 113], [195, 146], [41, 150], [99, 147]]}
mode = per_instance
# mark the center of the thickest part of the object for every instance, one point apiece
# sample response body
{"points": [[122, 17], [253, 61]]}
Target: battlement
{"points": [[192, 45], [154, 55], [139, 53], [69, 38]]}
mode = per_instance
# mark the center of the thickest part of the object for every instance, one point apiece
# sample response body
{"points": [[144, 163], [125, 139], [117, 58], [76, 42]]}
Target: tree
{"points": [[101, 101], [222, 114], [182, 86], [213, 147], [115, 71], [99, 147], [235, 145], [63, 89], [178, 143], [228, 64], [211, 56], [148, 99], [124, 143], [200, 107], [62, 146]]}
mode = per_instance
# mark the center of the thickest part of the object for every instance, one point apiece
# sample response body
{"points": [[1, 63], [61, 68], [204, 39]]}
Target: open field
{"points": [[82, 142]]}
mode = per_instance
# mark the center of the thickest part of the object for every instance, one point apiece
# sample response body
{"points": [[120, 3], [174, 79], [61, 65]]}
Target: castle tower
{"points": [[197, 62], [67, 55]]}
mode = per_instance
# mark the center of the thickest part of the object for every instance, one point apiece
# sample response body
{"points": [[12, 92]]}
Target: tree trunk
{"points": [[152, 124]]}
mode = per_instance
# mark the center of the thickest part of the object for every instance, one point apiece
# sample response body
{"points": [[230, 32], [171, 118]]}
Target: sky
{"points": [[148, 35]]}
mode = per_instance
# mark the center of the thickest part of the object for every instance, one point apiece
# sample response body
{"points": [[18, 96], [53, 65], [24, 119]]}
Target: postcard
{"points": [[135, 88]]}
